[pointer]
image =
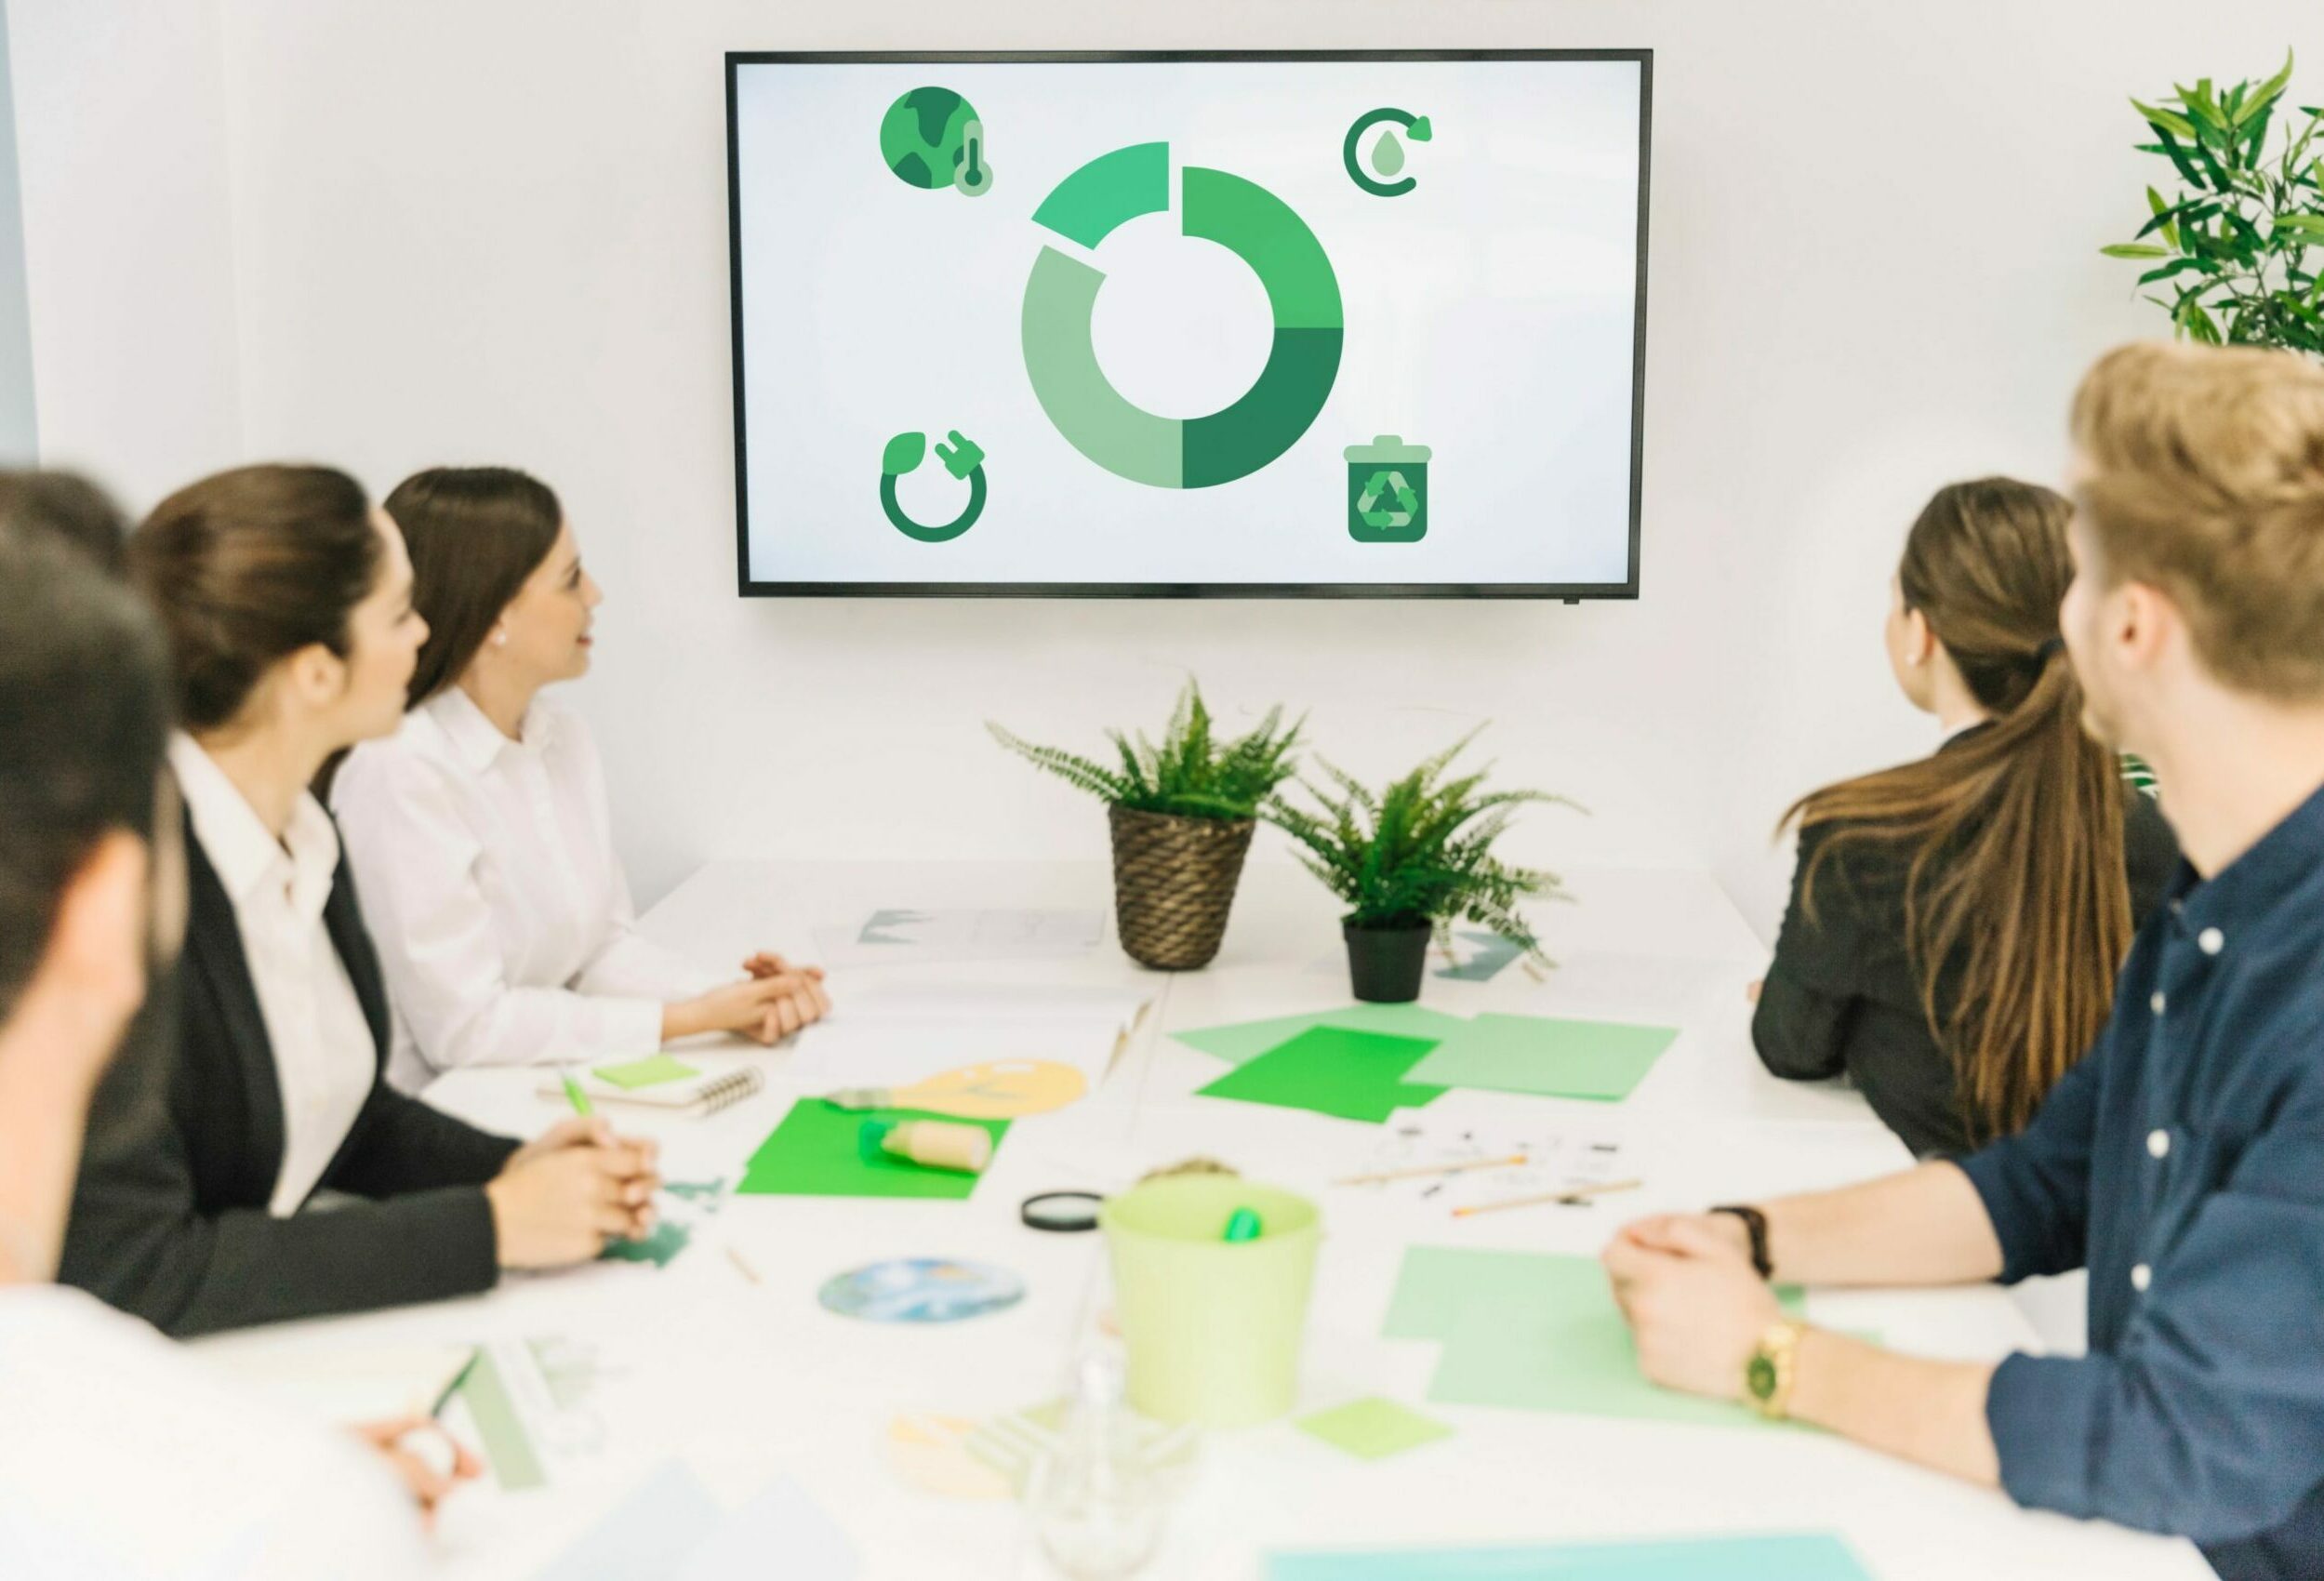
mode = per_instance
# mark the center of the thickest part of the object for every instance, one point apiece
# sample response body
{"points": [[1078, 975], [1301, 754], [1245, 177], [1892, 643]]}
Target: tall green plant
{"points": [[1192, 773], [2235, 243], [1420, 850]]}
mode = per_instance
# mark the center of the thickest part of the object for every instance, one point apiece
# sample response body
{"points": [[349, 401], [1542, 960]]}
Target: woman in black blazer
{"points": [[1956, 923], [286, 599]]}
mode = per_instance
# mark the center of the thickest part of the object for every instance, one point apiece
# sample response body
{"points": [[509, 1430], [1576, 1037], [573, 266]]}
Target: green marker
{"points": [[1243, 1225], [578, 1099]]}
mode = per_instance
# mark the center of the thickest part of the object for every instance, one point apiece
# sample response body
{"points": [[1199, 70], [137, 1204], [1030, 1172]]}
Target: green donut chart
{"points": [[1062, 295]]}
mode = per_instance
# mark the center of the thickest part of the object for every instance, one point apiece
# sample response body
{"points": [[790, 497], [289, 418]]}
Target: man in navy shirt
{"points": [[2183, 1161]]}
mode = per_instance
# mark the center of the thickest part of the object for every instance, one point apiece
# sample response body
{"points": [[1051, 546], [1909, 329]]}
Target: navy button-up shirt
{"points": [[2183, 1163]]}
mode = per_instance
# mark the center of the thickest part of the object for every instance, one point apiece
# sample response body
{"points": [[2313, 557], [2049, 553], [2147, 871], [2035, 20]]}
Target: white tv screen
{"points": [[1280, 324]]}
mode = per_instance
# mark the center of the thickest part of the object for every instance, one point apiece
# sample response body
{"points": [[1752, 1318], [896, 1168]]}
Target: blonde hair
{"points": [[2204, 477]]}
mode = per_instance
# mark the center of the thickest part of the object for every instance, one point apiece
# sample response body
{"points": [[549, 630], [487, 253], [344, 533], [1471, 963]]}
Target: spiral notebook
{"points": [[705, 1094]]}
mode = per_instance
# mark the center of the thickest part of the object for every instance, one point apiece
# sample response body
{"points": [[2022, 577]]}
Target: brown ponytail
{"points": [[2027, 917], [245, 568]]}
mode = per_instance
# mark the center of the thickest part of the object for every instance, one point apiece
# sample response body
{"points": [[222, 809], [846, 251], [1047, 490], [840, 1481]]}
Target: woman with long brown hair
{"points": [[1956, 923], [480, 829]]}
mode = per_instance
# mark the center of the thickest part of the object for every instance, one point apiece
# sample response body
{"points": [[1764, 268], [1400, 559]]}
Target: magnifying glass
{"points": [[1062, 1213]]}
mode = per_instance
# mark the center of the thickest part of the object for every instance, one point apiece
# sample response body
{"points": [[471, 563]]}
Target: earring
{"points": [[500, 639]]}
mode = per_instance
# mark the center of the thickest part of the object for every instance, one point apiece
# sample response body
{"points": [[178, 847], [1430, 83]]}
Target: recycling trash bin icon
{"points": [[1388, 491]]}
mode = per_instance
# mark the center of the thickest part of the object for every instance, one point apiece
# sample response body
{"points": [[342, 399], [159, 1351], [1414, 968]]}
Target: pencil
{"points": [[1572, 1194], [1434, 1169], [574, 1096]]}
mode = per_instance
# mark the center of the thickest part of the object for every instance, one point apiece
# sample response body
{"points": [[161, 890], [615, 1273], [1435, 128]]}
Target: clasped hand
{"points": [[561, 1197], [774, 1000]]}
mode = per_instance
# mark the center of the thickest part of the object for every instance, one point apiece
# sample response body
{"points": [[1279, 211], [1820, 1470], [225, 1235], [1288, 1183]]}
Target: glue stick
{"points": [[932, 1144]]}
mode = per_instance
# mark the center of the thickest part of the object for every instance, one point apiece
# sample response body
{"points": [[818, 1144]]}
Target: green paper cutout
{"points": [[1539, 1333], [1373, 1429], [812, 1153], [1333, 1071], [668, 1238], [1788, 1556], [1547, 1057], [508, 1448], [1244, 1042], [646, 1072]]}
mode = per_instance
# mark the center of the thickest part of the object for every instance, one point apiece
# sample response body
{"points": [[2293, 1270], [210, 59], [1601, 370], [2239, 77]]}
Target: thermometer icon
{"points": [[975, 177]]}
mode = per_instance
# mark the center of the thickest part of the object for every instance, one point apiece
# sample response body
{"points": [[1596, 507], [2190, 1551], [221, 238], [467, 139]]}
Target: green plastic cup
{"points": [[1213, 1327]]}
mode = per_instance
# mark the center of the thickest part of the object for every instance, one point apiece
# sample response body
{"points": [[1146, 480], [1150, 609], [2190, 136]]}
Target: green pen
{"points": [[574, 1095], [1242, 1226]]}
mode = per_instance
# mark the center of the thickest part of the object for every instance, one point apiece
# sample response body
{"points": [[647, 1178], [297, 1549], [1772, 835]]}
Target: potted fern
{"points": [[1182, 815], [1410, 858]]}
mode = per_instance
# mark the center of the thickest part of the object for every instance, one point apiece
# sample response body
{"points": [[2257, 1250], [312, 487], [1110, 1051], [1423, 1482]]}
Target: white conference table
{"points": [[748, 1378]]}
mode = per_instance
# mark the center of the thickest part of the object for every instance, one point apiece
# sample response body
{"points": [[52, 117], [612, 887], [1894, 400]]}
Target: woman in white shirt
{"points": [[479, 832]]}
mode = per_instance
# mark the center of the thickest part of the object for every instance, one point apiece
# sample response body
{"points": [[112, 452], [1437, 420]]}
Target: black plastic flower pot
{"points": [[1386, 964]]}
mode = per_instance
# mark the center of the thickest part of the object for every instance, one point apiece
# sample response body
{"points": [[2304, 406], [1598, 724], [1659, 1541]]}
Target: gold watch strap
{"points": [[1773, 1369]]}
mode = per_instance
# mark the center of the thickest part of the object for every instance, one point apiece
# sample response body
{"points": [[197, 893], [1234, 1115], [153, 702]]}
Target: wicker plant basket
{"points": [[1174, 883]]}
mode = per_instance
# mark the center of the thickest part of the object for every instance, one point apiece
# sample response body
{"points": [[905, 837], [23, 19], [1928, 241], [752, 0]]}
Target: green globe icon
{"points": [[932, 138]]}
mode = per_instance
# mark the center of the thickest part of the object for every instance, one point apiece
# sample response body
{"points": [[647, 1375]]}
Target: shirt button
{"points": [[2158, 1143], [2140, 1276], [2210, 941], [2157, 1002]]}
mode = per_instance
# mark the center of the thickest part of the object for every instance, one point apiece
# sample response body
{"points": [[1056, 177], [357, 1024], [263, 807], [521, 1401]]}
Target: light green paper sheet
{"points": [[1547, 1057], [1330, 1071], [648, 1073], [1805, 1555], [1539, 1333], [508, 1447], [812, 1153], [1240, 1043], [1375, 1428]]}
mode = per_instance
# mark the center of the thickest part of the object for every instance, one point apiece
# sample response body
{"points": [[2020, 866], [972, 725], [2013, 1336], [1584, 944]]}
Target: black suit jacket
{"points": [[1843, 995], [169, 1219]]}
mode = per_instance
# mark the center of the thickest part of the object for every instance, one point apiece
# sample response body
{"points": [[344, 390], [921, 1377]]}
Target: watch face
{"points": [[1760, 1378]]}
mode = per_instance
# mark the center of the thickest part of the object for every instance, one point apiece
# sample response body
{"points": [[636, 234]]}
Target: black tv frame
{"points": [[1572, 593]]}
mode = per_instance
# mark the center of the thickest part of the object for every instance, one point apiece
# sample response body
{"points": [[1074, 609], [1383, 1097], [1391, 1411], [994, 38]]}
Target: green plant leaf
{"points": [[2267, 92], [2135, 249], [2164, 120]]}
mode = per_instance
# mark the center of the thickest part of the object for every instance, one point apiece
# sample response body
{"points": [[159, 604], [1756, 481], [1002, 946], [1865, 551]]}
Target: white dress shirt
{"points": [[124, 1458], [325, 1061], [502, 917]]}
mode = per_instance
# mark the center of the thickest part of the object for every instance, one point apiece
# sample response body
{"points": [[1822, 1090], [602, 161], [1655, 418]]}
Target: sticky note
{"points": [[1375, 1428], [648, 1073]]}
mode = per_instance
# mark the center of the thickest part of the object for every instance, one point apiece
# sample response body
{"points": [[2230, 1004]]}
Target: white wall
{"points": [[466, 231], [128, 237], [18, 418]]}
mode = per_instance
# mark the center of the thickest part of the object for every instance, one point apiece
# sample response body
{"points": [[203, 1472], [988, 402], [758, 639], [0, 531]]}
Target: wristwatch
{"points": [[1769, 1375], [1755, 1223]]}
